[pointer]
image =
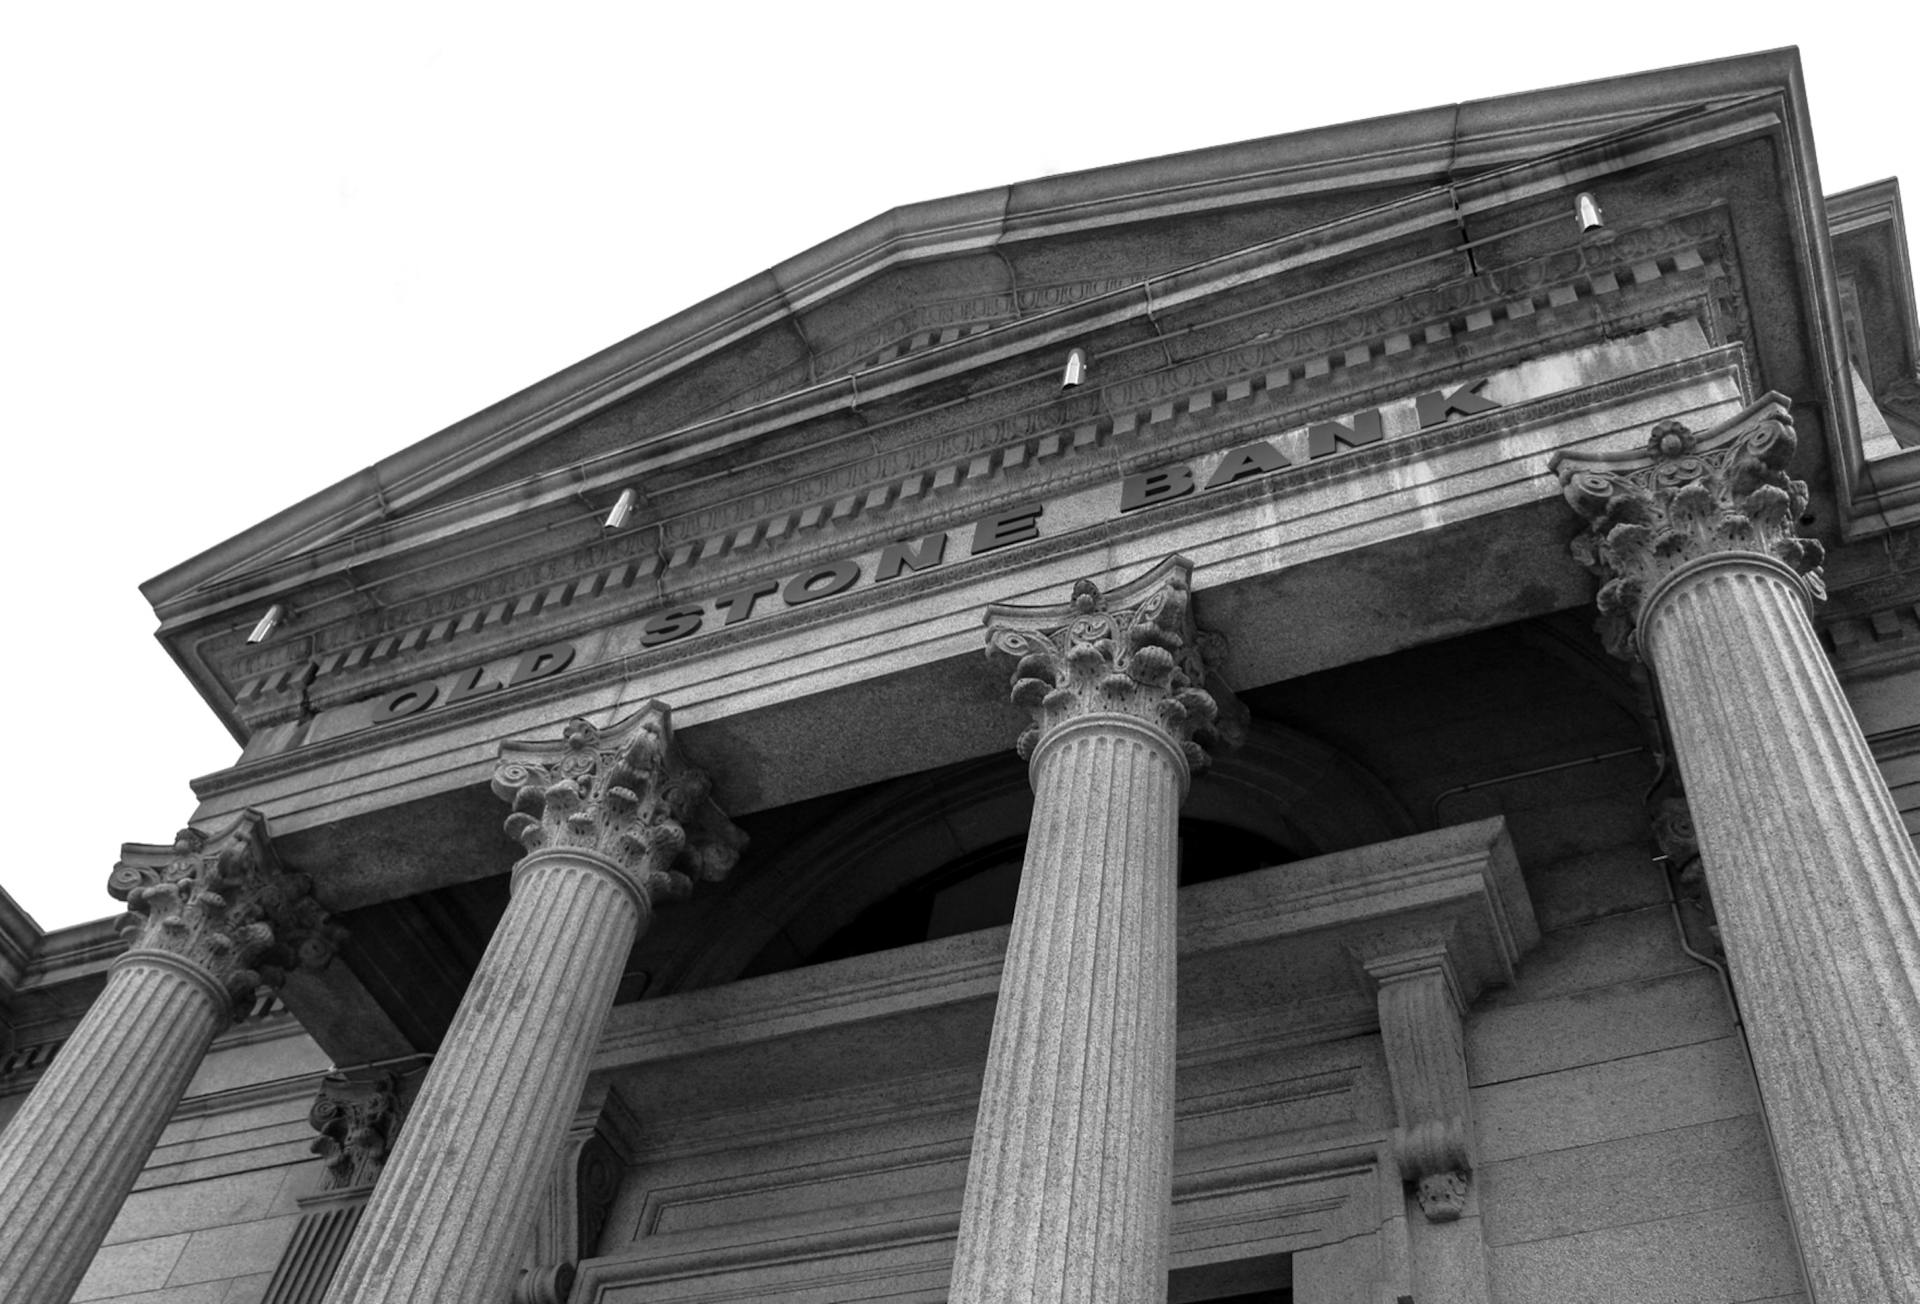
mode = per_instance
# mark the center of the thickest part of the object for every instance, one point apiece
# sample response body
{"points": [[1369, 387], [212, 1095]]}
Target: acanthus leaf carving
{"points": [[223, 903], [358, 1114], [625, 794], [1684, 496], [1135, 651]]}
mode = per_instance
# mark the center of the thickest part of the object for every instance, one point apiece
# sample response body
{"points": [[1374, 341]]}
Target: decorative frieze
{"points": [[1686, 495]]}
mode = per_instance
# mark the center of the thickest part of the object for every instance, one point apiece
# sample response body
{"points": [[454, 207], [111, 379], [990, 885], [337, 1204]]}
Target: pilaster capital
{"points": [[625, 794], [358, 1113], [1134, 651], [222, 904], [1684, 496]]}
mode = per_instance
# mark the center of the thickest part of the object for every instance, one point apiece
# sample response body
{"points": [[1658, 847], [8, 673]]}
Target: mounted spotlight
{"points": [[1076, 369], [622, 509], [267, 623], [1587, 209]]}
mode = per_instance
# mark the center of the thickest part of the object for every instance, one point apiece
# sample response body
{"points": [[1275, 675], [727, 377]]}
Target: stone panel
{"points": [[130, 1268], [1616, 949], [222, 1253], [1585, 887], [1621, 1098], [193, 1206], [1591, 1027], [1638, 1179], [1740, 1253]]}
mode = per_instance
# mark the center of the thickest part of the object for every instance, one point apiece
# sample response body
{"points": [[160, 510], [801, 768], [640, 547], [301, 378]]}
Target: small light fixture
{"points": [[622, 509], [1076, 371], [267, 624], [1587, 209]]}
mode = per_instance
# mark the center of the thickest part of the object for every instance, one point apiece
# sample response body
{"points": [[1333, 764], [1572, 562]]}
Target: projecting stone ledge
{"points": [[700, 1050]]}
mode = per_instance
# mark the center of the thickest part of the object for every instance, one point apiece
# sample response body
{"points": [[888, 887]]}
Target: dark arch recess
{"points": [[1280, 789]]}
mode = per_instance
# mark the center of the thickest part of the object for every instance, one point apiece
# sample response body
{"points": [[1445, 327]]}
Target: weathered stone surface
{"points": [[609, 821]]}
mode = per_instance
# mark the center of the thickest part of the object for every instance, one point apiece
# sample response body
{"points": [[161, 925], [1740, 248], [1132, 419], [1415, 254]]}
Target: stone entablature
{"points": [[939, 480]]}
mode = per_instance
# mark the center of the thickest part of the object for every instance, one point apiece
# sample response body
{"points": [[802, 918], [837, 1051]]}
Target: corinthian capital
{"points": [[223, 903], [1134, 651], [625, 794], [1684, 496]]}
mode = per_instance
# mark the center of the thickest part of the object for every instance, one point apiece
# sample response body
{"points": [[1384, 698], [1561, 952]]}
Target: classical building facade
{"points": [[1331, 720]]}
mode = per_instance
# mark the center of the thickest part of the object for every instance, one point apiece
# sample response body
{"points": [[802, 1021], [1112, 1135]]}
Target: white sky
{"points": [[252, 248]]}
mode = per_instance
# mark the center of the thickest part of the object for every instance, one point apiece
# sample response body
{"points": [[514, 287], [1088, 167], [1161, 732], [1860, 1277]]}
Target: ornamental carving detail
{"points": [[1684, 496], [223, 903], [358, 1115], [626, 795], [1134, 651]]}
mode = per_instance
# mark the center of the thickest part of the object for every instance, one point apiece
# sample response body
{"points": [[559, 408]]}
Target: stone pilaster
{"points": [[1814, 880], [611, 822], [210, 919], [1069, 1186], [1425, 1045]]}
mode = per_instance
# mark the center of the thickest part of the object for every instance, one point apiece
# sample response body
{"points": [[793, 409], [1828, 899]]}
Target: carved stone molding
{"points": [[222, 904], [1686, 495], [1133, 652], [627, 796], [358, 1113]]}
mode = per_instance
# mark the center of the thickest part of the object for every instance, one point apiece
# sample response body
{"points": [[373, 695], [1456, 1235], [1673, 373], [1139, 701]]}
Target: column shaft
{"points": [[1069, 1186], [70, 1156], [454, 1203], [1817, 888]]}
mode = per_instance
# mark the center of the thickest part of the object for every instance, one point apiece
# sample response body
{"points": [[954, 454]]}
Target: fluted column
{"points": [[210, 920], [1815, 882], [610, 822], [1070, 1182]]}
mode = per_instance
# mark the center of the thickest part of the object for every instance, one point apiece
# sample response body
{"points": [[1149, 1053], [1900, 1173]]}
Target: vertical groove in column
{"points": [[446, 1220], [1067, 1184], [1817, 887], [72, 1153]]}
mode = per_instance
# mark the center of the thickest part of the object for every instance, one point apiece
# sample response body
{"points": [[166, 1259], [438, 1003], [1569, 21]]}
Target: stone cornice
{"points": [[1880, 638]]}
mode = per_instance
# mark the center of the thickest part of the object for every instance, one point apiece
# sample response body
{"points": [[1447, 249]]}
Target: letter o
{"points": [[411, 700], [839, 577]]}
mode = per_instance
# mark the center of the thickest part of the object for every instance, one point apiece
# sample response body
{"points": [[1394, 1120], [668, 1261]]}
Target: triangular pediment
{"points": [[895, 378]]}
